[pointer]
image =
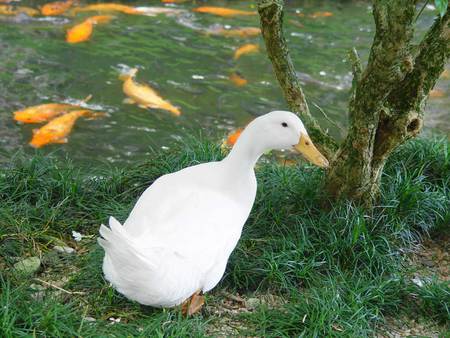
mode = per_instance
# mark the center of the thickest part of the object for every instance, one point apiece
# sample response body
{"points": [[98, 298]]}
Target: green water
{"points": [[187, 67]]}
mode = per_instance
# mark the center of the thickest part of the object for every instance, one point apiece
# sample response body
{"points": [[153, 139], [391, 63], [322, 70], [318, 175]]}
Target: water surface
{"points": [[189, 68]]}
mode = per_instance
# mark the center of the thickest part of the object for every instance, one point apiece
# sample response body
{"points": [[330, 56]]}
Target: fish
{"points": [[143, 95], [97, 19], [56, 8], [83, 31], [245, 49], [57, 130], [436, 93], [242, 32], [15, 10], [296, 24], [107, 7], [316, 15], [80, 32], [233, 137], [111, 7], [238, 79], [221, 11], [153, 11], [45, 112]]}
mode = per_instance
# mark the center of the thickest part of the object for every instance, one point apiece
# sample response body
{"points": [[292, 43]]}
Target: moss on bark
{"points": [[388, 96]]}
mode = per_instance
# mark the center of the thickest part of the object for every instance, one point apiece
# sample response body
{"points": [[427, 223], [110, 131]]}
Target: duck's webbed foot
{"points": [[193, 304]]}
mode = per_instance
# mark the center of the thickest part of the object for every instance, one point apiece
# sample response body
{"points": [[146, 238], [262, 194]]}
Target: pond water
{"points": [[187, 66]]}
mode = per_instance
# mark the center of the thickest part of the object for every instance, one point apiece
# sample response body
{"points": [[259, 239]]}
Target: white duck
{"points": [[177, 240]]}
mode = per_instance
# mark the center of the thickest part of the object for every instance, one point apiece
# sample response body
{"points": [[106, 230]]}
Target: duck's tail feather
{"points": [[121, 251]]}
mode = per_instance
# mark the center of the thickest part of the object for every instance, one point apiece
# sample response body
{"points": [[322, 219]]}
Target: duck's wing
{"points": [[184, 194], [182, 212]]}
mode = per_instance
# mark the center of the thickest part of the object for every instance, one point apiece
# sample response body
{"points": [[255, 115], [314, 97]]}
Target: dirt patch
{"points": [[228, 310], [432, 258], [407, 327], [429, 260]]}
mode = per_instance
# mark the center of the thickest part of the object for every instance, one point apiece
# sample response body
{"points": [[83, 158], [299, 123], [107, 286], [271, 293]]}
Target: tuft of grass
{"points": [[432, 299], [340, 270]]}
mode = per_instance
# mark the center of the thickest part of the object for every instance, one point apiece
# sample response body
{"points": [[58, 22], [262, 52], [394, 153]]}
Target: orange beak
{"points": [[307, 149]]}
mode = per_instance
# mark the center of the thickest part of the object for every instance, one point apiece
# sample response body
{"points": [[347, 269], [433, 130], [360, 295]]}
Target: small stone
{"points": [[28, 265], [417, 281], [38, 292], [253, 303], [77, 236], [89, 319], [37, 287], [64, 249]]}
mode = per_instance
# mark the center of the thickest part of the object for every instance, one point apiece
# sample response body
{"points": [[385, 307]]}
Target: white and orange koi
{"points": [[145, 96]]}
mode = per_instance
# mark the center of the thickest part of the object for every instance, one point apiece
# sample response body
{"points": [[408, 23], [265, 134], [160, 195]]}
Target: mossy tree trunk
{"points": [[387, 98]]}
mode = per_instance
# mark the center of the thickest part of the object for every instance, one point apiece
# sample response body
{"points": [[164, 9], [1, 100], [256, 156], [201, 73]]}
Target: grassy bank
{"points": [[307, 271]]}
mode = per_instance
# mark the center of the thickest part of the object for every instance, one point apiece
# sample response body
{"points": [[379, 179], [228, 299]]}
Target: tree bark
{"points": [[271, 15], [389, 110], [387, 98]]}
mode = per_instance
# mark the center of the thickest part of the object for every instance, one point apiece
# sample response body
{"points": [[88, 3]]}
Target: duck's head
{"points": [[284, 130]]}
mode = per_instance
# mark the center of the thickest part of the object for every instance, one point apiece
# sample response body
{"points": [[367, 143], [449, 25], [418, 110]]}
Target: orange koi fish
{"points": [[15, 10], [97, 19], [143, 95], [317, 15], [238, 79], [233, 137], [56, 8], [243, 32], [83, 31], [436, 93], [45, 112], [57, 130], [245, 49], [221, 11], [154, 11], [108, 7]]}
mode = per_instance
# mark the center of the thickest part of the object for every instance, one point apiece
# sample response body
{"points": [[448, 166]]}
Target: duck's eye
{"points": [[284, 124]]}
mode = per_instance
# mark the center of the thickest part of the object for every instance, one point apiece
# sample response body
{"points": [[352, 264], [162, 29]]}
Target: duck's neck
{"points": [[245, 152]]}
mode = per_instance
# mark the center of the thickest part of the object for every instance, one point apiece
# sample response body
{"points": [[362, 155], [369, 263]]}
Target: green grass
{"points": [[340, 270]]}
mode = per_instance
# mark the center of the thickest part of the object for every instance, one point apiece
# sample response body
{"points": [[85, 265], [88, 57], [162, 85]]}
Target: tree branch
{"points": [[271, 16], [429, 63], [406, 102], [390, 49], [385, 68]]}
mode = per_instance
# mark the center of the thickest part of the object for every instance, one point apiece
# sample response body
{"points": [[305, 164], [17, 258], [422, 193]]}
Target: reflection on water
{"points": [[189, 59]]}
